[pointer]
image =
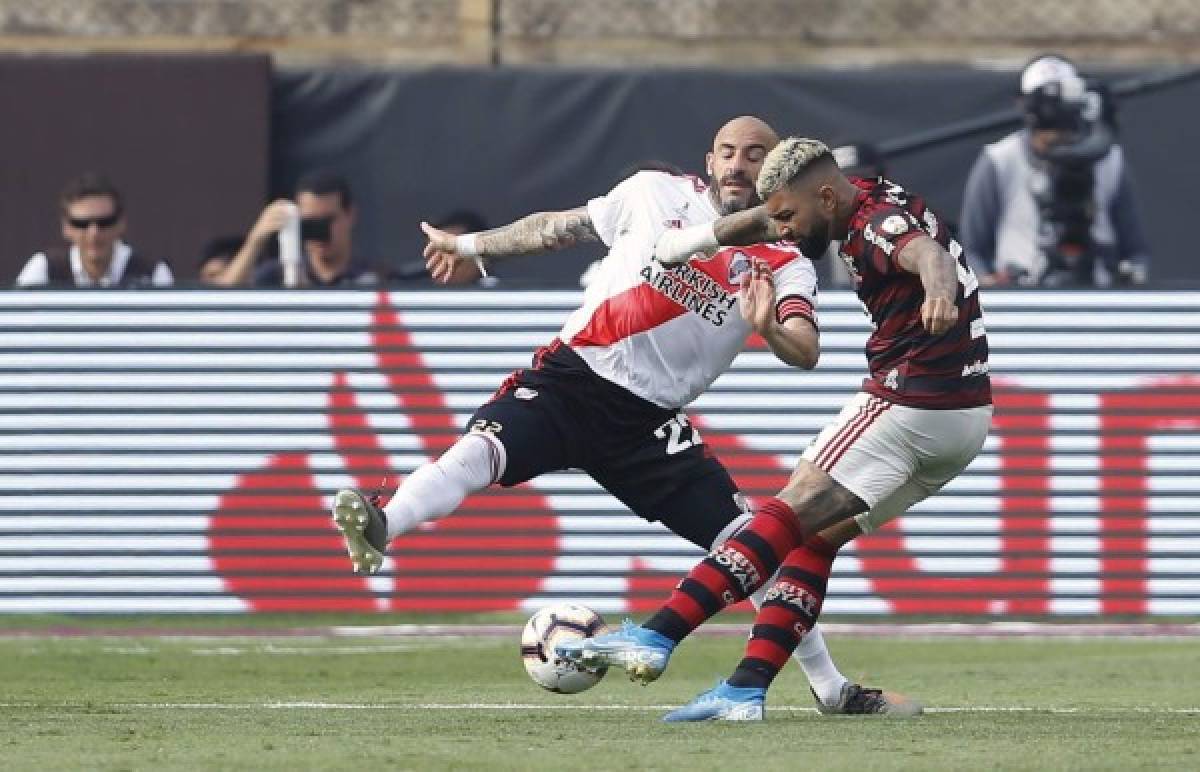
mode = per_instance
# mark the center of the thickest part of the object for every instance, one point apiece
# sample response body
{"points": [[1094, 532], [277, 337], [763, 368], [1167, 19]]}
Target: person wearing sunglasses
{"points": [[93, 223]]}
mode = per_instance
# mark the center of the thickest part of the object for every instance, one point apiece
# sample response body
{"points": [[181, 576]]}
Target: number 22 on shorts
{"points": [[484, 425], [673, 432]]}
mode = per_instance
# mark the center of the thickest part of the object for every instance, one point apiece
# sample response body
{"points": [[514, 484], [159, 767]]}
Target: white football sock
{"points": [[435, 489], [812, 654], [824, 677]]}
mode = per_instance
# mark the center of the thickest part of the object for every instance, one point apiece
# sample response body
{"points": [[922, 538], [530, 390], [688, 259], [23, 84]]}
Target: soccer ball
{"points": [[550, 626]]}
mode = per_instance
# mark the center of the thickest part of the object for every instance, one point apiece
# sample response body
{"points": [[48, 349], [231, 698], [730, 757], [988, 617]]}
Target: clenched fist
{"points": [[938, 315]]}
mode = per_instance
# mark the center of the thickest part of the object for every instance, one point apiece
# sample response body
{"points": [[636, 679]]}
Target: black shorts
{"points": [[561, 415]]}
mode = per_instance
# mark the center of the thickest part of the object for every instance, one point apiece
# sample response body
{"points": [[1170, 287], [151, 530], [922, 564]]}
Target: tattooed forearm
{"points": [[938, 271], [750, 226], [539, 232]]}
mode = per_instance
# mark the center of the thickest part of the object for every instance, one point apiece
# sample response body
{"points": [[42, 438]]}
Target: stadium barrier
{"points": [[176, 451]]}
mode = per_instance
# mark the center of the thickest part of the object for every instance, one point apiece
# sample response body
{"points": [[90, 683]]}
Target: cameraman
{"points": [[325, 206], [1051, 205]]}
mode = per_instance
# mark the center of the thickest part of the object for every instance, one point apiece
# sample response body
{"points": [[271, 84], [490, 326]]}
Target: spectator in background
{"points": [[216, 258], [1051, 204], [93, 223], [860, 159], [325, 206]]}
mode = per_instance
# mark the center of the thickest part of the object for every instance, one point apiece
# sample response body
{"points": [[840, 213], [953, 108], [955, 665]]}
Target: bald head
{"points": [[746, 128], [734, 162]]}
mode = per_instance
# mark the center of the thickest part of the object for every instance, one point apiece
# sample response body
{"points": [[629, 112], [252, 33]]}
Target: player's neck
{"points": [[847, 204]]}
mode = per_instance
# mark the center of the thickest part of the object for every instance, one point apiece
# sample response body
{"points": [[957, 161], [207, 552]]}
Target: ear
{"points": [[828, 197]]}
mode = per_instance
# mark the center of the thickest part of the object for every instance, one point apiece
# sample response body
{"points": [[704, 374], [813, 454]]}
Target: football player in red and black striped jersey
{"points": [[921, 417]]}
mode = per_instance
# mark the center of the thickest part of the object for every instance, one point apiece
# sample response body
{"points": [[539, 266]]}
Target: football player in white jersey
{"points": [[607, 395]]}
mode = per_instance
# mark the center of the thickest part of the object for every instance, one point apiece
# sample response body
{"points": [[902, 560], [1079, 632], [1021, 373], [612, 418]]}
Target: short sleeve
{"points": [[613, 212], [36, 272], [887, 230], [796, 291]]}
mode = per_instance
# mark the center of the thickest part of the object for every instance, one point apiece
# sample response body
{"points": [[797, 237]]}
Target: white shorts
{"points": [[892, 456]]}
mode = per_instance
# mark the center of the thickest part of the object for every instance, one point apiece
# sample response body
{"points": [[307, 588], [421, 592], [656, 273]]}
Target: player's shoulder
{"points": [[883, 200], [655, 181]]}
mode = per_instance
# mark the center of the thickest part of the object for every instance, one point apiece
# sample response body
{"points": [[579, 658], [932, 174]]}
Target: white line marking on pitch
{"points": [[559, 706]]}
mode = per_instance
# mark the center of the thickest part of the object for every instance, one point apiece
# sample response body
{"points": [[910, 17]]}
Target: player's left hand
{"points": [[756, 298], [442, 260], [938, 315]]}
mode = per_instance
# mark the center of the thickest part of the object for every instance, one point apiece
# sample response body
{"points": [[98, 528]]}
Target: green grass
{"points": [[123, 703]]}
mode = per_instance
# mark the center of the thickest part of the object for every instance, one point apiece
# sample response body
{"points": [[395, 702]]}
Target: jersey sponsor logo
{"points": [[525, 393], [882, 243], [676, 224], [894, 225], [692, 290], [739, 265], [978, 367]]}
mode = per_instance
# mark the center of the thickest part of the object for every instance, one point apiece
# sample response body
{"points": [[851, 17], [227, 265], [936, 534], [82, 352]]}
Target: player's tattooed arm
{"points": [[453, 259], [939, 276], [538, 232], [749, 226], [752, 226]]}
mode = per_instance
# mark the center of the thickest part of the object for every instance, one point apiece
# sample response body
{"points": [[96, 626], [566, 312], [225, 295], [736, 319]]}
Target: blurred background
{"points": [[177, 449], [173, 594], [202, 111]]}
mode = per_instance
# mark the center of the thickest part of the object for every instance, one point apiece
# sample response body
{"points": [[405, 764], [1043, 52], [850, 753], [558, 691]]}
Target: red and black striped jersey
{"points": [[909, 366]]}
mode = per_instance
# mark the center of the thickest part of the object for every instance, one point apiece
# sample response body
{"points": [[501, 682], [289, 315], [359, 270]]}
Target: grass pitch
{"points": [[159, 699]]}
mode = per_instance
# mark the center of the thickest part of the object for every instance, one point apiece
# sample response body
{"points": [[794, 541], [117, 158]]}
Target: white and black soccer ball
{"points": [[550, 626]]}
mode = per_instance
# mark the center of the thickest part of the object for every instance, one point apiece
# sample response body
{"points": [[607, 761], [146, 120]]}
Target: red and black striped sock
{"points": [[731, 572], [789, 610]]}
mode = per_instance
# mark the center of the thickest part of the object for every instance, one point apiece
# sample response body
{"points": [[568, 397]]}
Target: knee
{"points": [[806, 487], [820, 502]]}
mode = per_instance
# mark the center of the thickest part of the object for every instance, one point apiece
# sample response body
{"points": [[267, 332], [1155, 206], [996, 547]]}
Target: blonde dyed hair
{"points": [[786, 161]]}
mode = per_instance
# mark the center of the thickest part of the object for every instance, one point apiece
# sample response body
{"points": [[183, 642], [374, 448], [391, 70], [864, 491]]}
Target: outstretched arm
{"points": [[453, 259], [750, 226], [939, 276]]}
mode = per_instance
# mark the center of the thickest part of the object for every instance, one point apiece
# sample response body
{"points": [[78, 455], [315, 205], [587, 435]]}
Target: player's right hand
{"points": [[442, 260], [938, 315]]}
